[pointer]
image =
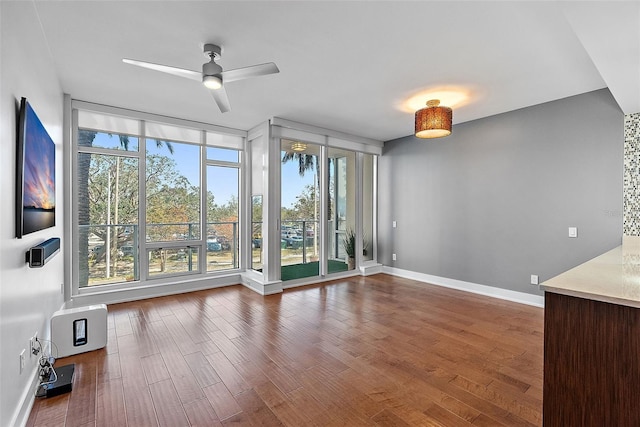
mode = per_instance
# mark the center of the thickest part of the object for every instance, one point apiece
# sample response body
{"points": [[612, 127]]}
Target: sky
{"points": [[224, 183], [292, 183]]}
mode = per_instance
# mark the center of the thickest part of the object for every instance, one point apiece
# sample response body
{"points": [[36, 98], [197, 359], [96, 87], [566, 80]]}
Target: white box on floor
{"points": [[77, 330]]}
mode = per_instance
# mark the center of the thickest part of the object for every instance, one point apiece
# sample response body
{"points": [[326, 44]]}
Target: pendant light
{"points": [[298, 146], [433, 121]]}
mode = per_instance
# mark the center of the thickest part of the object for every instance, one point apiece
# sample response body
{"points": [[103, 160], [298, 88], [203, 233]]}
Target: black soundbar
{"points": [[38, 255]]}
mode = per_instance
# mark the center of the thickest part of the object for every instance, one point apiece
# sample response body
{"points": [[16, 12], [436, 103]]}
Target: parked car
{"points": [[213, 246], [224, 242], [126, 250], [294, 242], [285, 234]]}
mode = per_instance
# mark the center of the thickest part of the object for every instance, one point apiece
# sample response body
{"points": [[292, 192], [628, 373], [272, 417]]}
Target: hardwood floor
{"points": [[379, 350]]}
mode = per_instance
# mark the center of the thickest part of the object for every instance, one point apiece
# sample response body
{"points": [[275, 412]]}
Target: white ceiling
{"points": [[345, 65]]}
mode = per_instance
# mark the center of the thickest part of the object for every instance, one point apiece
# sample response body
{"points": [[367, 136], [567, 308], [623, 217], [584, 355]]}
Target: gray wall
{"points": [[491, 204]]}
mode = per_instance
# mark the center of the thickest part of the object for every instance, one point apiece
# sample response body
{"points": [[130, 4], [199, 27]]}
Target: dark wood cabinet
{"points": [[591, 363]]}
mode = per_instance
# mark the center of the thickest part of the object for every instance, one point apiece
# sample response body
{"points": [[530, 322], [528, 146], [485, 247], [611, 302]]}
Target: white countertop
{"points": [[612, 277]]}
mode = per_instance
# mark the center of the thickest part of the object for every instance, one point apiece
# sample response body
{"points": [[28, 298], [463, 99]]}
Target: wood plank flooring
{"points": [[379, 350]]}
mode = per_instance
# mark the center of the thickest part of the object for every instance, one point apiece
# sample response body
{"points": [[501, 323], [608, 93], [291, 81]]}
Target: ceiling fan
{"points": [[212, 75]]}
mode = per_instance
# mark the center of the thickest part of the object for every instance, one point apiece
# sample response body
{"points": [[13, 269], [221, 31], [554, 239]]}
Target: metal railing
{"points": [[111, 251], [300, 234], [121, 262]]}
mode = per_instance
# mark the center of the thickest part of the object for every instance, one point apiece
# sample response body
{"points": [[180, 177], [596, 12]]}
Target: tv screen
{"points": [[36, 178]]}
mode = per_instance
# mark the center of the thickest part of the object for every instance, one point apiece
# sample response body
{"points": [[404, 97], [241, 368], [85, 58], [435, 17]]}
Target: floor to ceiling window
{"points": [[172, 201], [302, 199], [300, 210], [341, 223], [257, 147], [159, 201], [152, 200], [368, 206], [107, 183], [256, 233], [223, 185]]}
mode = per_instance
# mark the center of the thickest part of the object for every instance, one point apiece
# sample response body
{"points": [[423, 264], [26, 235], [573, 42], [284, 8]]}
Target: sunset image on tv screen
{"points": [[39, 202]]}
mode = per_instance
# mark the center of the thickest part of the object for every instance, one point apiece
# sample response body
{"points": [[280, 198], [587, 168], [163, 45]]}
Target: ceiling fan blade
{"points": [[252, 71], [180, 72], [220, 96]]}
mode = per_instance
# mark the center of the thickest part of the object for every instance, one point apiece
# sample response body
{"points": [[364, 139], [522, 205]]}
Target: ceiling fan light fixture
{"points": [[433, 121], [298, 146], [212, 82], [211, 77]]}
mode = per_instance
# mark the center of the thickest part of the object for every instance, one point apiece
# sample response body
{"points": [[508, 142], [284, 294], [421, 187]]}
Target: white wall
{"points": [[28, 297]]}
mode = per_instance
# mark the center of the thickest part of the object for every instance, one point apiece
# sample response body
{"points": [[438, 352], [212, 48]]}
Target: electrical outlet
{"points": [[22, 360], [534, 279], [395, 224], [393, 257], [34, 347]]}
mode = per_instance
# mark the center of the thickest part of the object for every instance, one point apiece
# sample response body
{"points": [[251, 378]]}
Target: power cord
{"points": [[40, 348], [47, 372]]}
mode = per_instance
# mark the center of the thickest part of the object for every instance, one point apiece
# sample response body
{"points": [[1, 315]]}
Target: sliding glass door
{"points": [[300, 210], [341, 221]]}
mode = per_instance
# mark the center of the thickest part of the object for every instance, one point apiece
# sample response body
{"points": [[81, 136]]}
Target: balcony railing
{"points": [[174, 248], [112, 250], [299, 241]]}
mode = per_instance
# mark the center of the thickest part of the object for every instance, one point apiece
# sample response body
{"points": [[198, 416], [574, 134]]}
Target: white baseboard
{"points": [[21, 414], [254, 281], [490, 291], [369, 268], [115, 296]]}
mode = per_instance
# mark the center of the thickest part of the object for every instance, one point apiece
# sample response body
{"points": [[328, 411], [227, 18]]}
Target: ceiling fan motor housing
{"points": [[211, 69], [213, 51]]}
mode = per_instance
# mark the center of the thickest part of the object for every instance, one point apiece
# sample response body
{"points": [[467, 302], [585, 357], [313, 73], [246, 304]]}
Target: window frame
{"points": [[226, 138]]}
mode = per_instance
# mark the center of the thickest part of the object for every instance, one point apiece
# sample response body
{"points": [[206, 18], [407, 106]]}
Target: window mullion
{"points": [[204, 226], [359, 207], [143, 260], [74, 203]]}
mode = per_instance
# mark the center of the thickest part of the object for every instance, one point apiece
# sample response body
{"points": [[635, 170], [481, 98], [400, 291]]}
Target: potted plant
{"points": [[349, 245]]}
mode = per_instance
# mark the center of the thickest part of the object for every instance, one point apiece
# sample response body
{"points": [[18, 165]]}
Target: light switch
{"points": [[573, 231]]}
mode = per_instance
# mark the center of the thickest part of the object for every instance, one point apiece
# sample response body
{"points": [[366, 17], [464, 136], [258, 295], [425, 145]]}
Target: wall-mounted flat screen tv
{"points": [[36, 174]]}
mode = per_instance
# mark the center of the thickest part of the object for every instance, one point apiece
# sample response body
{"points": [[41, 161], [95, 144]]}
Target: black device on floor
{"points": [[63, 384]]}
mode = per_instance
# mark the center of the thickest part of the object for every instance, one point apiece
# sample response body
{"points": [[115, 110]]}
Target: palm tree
{"points": [[305, 162]]}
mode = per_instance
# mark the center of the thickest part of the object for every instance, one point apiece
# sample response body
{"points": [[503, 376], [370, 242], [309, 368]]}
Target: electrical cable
{"points": [[53, 345], [47, 372]]}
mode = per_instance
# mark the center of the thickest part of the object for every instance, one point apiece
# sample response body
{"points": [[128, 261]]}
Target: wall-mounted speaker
{"points": [[39, 255]]}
